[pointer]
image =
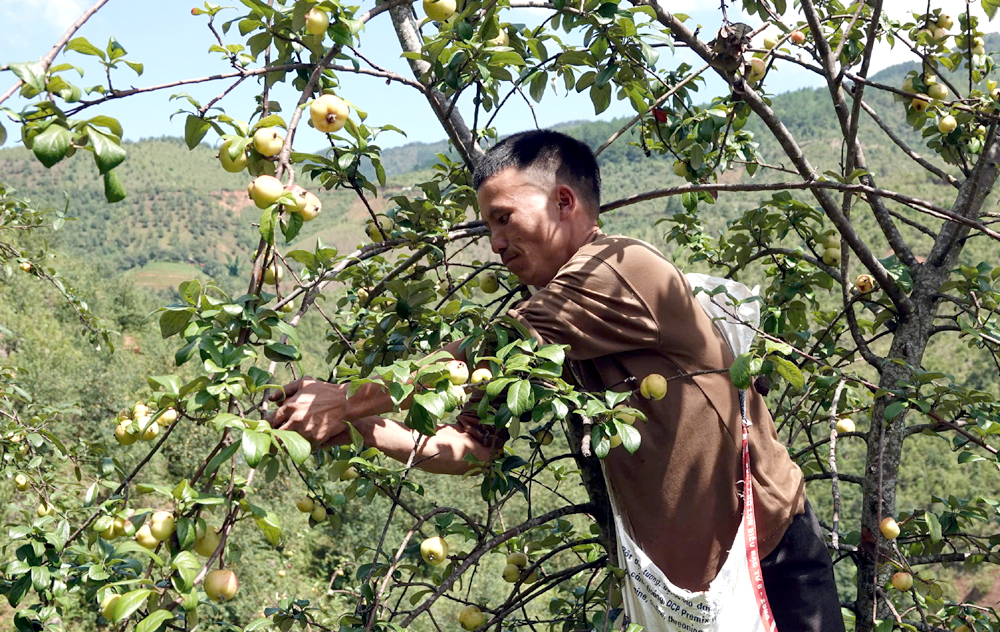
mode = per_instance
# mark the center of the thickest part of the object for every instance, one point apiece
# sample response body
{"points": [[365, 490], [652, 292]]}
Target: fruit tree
{"points": [[872, 301]]}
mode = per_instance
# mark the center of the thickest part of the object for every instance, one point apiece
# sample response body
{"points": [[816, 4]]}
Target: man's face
{"points": [[522, 210]]}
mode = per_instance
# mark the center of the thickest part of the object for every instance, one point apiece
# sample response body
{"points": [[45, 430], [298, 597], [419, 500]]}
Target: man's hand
{"points": [[316, 410]]}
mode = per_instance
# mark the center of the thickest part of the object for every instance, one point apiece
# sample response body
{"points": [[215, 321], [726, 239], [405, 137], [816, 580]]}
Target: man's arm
{"points": [[443, 453]]}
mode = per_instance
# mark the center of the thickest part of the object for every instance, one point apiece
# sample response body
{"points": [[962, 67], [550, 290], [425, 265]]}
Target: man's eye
{"points": [[503, 219]]}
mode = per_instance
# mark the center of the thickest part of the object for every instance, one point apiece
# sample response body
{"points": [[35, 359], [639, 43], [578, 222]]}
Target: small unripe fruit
{"points": [[616, 440], [440, 10], [229, 163], [489, 283], [121, 529], [124, 436], [21, 482], [845, 425], [207, 543], [902, 581], [653, 387], [161, 525], [681, 169], [518, 559], [349, 474], [109, 533], [144, 537], [318, 513], [624, 417], [305, 504], [139, 409], [758, 67], [221, 585], [458, 372], [831, 256], [281, 573], [108, 605], [511, 573], [267, 141], [938, 91], [43, 509], [939, 34], [312, 207], [889, 528], [907, 84], [434, 550], [947, 124], [471, 618], [501, 39], [25, 266], [481, 375], [864, 283], [273, 274], [150, 429], [545, 437], [328, 113], [168, 417], [316, 21], [770, 42], [945, 22]]}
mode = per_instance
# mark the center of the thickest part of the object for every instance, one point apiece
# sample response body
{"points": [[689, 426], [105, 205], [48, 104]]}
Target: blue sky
{"points": [[173, 44]]}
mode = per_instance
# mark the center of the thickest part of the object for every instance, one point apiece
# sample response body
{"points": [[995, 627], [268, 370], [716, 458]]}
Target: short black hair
{"points": [[571, 161]]}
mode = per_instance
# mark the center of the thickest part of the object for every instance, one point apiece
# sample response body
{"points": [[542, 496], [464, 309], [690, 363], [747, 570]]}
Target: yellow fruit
{"points": [[947, 124], [318, 513], [43, 509], [21, 483], [889, 528], [108, 605], [758, 67], [265, 190], [770, 42], [312, 207], [373, 231], [281, 573], [501, 39], [230, 164], [518, 559], [149, 428], [161, 525], [864, 283], [489, 283], [653, 387], [434, 550], [845, 425], [920, 102], [458, 372], [168, 417], [511, 573], [316, 21], [624, 417], [681, 169], [121, 528], [349, 474], [831, 256], [268, 141], [207, 543], [531, 578], [144, 537], [109, 533], [945, 22], [938, 91], [221, 585], [481, 375], [328, 113], [616, 440], [139, 409], [902, 581], [545, 437], [273, 274], [305, 504], [440, 10], [124, 436], [471, 617]]}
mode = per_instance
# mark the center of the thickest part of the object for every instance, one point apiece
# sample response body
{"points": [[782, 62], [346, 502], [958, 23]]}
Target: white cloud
{"points": [[58, 13]]}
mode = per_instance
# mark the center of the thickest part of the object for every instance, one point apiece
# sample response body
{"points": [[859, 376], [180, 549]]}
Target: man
{"points": [[626, 313]]}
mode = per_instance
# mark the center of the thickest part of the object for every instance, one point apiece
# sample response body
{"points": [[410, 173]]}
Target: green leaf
{"points": [[50, 146], [195, 129], [155, 621], [108, 153], [281, 352], [601, 97], [739, 372], [270, 527], [107, 122], [168, 383], [630, 437], [31, 73], [519, 397], [114, 190], [129, 603], [267, 221], [893, 410], [432, 402], [173, 322], [82, 46], [255, 445], [298, 448], [789, 371], [537, 86], [291, 228], [933, 526]]}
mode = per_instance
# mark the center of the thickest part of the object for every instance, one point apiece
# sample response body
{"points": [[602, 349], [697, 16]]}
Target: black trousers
{"points": [[798, 578]]}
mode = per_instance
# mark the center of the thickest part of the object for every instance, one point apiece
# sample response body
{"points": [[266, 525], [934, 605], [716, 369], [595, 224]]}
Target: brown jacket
{"points": [[626, 312]]}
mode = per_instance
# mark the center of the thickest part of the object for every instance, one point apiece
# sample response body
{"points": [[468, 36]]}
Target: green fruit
{"points": [[489, 283], [229, 163]]}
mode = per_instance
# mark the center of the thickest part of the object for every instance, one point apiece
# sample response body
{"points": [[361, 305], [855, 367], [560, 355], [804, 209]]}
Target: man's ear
{"points": [[567, 200]]}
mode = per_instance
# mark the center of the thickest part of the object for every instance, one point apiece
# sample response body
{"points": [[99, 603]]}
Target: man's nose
{"points": [[498, 242]]}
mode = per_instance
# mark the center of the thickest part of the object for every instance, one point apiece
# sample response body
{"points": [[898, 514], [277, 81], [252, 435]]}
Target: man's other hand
{"points": [[314, 409]]}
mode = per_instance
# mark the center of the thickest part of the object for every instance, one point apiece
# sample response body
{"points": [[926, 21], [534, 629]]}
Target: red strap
{"points": [[750, 532]]}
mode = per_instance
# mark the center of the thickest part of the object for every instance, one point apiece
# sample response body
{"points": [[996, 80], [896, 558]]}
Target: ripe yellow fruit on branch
{"points": [[440, 10], [434, 551], [865, 283], [268, 141], [316, 21], [653, 387], [161, 525], [471, 618], [145, 537], [889, 528], [518, 559], [328, 113], [305, 504], [511, 573], [458, 372], [481, 375], [845, 425], [902, 581], [273, 274], [207, 543]]}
